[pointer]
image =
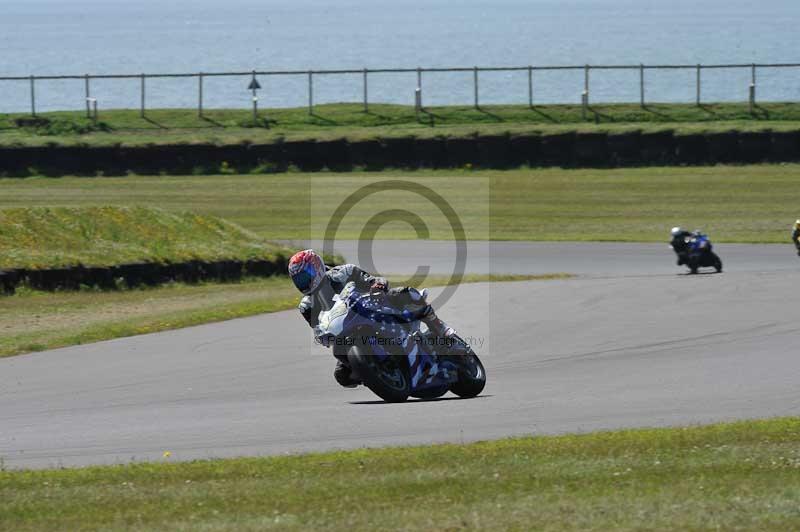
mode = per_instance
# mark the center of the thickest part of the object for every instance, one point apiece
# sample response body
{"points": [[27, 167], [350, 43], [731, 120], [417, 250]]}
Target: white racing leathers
{"points": [[334, 282]]}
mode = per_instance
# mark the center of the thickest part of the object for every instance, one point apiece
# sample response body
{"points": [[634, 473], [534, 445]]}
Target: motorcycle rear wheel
{"points": [[388, 378]]}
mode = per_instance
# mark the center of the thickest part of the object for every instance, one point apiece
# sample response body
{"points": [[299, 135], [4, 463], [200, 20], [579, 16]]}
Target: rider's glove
{"points": [[321, 338], [380, 284]]}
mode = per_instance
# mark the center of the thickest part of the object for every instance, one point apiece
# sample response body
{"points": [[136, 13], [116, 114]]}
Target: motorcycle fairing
{"points": [[353, 313]]}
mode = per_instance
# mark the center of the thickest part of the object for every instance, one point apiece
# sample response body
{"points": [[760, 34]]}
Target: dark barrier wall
{"points": [[133, 275], [571, 150]]}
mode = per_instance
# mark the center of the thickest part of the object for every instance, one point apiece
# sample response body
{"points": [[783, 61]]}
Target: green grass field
{"points": [[36, 321], [350, 121], [732, 203], [42, 237], [741, 476]]}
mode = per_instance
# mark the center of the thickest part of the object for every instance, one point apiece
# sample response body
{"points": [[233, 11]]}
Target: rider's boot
{"points": [[344, 375], [435, 325]]}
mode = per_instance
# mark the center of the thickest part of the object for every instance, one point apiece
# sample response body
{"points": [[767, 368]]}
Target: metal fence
{"points": [[582, 94]]}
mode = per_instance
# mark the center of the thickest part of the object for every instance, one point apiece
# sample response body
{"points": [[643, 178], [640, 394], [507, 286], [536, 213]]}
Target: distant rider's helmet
{"points": [[797, 225], [676, 231], [307, 270]]}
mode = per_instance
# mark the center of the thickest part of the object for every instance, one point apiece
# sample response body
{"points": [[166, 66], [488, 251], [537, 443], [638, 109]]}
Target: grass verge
{"points": [[739, 476], [41, 237], [37, 321], [169, 126], [755, 203]]}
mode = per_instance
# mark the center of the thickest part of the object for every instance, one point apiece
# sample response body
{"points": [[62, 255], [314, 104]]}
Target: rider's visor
{"points": [[304, 278]]}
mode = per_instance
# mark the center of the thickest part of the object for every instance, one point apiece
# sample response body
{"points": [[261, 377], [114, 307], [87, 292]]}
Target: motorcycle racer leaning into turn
{"points": [[796, 236], [680, 243], [319, 284]]}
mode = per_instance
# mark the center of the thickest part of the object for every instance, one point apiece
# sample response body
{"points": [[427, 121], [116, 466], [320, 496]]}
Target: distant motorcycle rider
{"points": [[680, 243], [319, 284], [796, 236]]}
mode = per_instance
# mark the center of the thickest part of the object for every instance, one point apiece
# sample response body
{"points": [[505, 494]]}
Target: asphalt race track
{"points": [[631, 342]]}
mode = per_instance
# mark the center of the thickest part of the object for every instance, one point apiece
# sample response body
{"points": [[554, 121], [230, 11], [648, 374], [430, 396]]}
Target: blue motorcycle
{"points": [[391, 355], [700, 254]]}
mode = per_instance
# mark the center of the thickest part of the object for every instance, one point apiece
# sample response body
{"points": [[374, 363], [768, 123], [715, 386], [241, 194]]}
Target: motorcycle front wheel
{"points": [[471, 376], [717, 262], [388, 377]]}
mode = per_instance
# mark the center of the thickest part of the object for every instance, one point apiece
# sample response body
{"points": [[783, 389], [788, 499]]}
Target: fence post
{"points": [[475, 80], [88, 95], [310, 92], [586, 78], [143, 96], [200, 95], [585, 93], [698, 84], [366, 92], [586, 82], [418, 93], [255, 99], [530, 86], [33, 96], [641, 84], [91, 104], [584, 104], [752, 88]]}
